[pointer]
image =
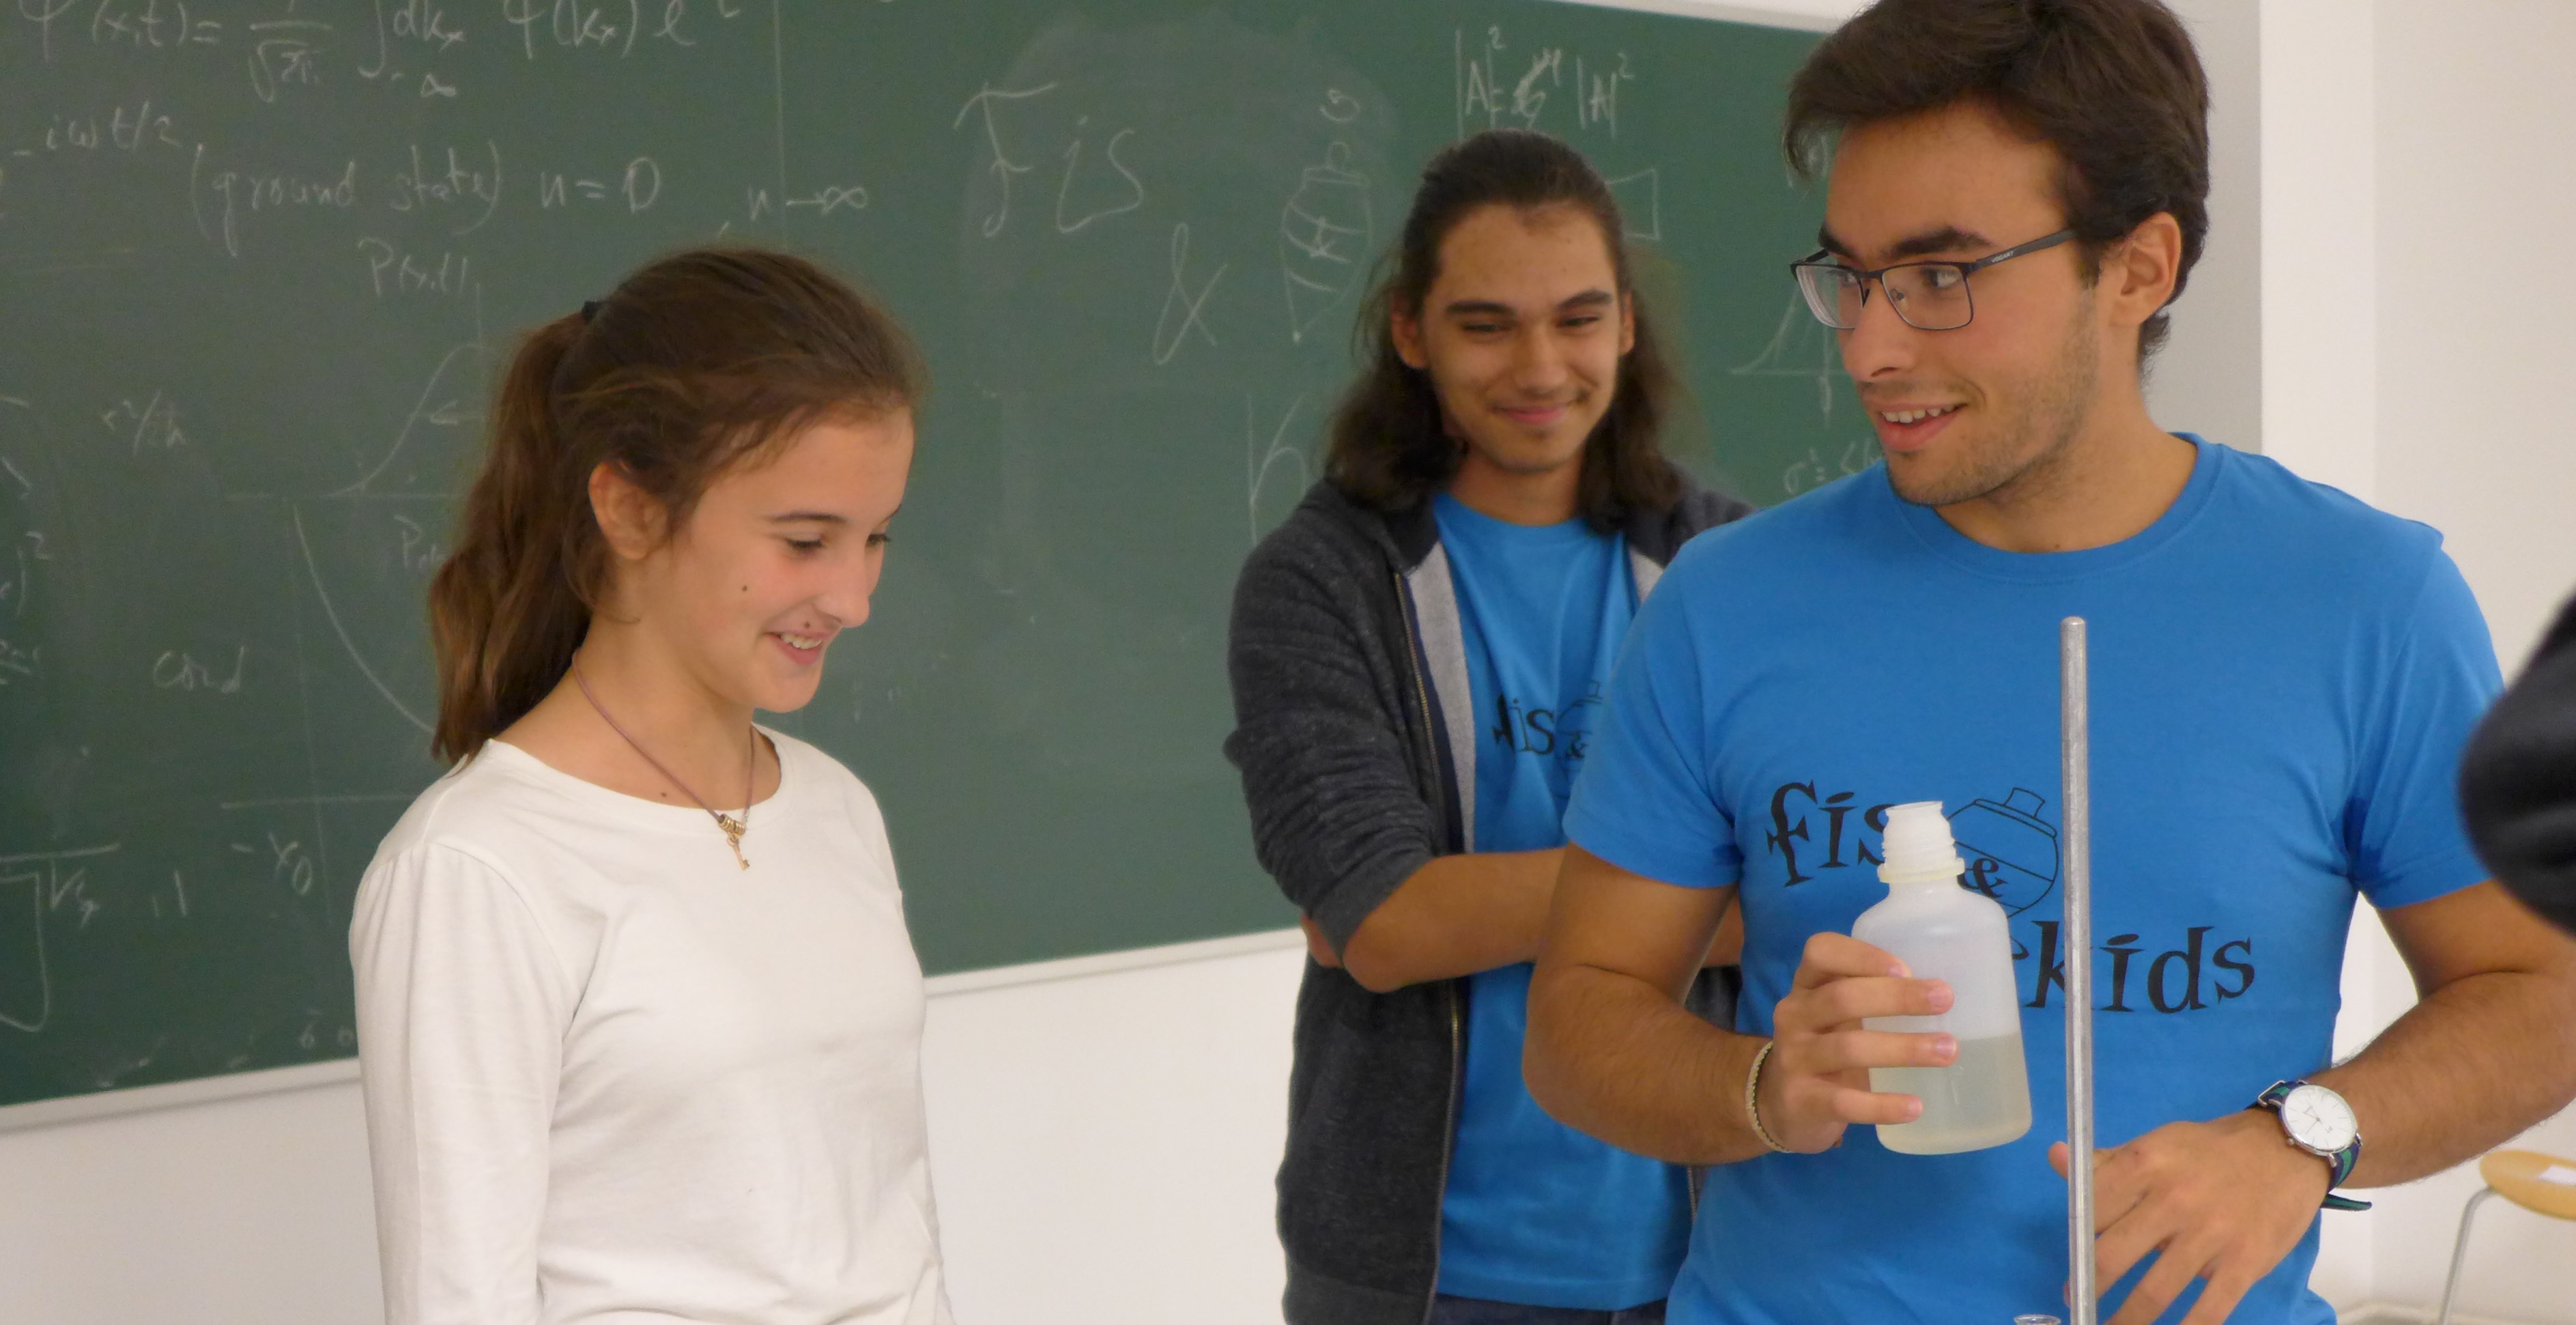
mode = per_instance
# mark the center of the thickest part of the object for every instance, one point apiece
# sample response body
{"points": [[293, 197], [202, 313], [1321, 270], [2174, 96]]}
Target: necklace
{"points": [[733, 828]]}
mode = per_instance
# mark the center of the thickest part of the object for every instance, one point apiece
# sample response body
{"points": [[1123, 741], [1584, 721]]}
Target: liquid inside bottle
{"points": [[1942, 931], [1981, 1099]]}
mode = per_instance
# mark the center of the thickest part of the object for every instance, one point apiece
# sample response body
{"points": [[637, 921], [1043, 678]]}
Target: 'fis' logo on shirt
{"points": [[1523, 728], [2011, 851], [2013, 854]]}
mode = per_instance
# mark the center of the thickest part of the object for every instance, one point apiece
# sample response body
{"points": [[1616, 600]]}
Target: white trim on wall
{"points": [[306, 1076]]}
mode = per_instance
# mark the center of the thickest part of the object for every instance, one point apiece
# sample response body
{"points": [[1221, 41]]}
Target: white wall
{"points": [[2318, 155], [2474, 116], [2399, 138], [2208, 378], [245, 1212], [1102, 1143], [2474, 108], [1103, 1146]]}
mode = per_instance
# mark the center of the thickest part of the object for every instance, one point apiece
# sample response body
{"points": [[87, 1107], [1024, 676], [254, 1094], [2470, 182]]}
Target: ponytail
{"points": [[504, 614], [697, 362]]}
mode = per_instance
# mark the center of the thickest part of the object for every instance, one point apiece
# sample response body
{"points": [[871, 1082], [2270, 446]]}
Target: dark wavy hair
{"points": [[1389, 448], [2113, 85]]}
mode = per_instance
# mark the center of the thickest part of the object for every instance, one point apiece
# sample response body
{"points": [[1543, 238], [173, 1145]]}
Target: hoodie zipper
{"points": [[1449, 1129]]}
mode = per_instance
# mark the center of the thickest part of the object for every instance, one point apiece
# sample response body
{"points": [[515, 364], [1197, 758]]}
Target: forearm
{"points": [[1610, 1055], [2477, 1061], [1457, 915]]}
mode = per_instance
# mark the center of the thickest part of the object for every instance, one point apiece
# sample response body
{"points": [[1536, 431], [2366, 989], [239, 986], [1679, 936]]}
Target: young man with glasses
{"points": [[2282, 679]]}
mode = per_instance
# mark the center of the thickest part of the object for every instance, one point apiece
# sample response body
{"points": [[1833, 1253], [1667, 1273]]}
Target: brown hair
{"points": [[1389, 449], [2113, 85], [698, 362]]}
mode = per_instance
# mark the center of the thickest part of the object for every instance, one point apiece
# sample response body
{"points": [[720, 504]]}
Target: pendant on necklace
{"points": [[733, 831]]}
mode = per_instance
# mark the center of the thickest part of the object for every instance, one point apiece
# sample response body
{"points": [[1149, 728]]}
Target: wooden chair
{"points": [[2514, 1175]]}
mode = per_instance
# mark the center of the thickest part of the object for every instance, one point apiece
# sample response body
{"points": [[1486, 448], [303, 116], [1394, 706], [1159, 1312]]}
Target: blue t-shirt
{"points": [[1536, 1212], [2282, 679]]}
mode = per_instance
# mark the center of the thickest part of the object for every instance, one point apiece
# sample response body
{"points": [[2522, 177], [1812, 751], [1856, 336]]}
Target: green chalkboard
{"points": [[259, 260]]}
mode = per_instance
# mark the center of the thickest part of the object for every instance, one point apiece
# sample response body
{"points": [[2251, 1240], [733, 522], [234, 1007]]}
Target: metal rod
{"points": [[2075, 751], [2460, 1252]]}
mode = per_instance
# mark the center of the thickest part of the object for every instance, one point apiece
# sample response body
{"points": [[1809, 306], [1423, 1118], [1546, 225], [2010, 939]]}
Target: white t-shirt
{"points": [[612, 1078]]}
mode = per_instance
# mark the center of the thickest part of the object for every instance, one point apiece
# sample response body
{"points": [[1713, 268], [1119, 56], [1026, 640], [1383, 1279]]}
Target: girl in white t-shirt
{"points": [[639, 1020]]}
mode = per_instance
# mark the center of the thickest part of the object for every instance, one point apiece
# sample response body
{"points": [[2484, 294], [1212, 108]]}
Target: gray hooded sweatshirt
{"points": [[1355, 735]]}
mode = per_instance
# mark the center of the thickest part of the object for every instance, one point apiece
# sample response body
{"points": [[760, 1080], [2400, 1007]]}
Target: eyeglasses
{"points": [[1930, 296]]}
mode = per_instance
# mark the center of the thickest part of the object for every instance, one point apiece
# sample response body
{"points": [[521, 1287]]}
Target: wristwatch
{"points": [[2318, 1121]]}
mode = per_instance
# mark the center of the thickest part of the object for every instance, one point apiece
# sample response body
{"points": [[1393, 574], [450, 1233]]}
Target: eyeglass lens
{"points": [[1930, 296]]}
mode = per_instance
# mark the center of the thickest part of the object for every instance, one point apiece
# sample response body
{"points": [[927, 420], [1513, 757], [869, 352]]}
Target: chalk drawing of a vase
{"points": [[1324, 236], [2012, 853]]}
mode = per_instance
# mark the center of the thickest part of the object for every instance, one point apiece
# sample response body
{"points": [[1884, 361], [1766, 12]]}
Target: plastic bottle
{"points": [[1942, 931]]}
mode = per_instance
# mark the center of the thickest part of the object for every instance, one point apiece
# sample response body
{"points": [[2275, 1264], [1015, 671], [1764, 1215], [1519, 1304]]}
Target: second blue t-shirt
{"points": [[1536, 1212], [2281, 682]]}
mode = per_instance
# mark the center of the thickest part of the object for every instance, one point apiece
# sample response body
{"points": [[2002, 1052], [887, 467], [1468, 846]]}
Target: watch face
{"points": [[2318, 1119]]}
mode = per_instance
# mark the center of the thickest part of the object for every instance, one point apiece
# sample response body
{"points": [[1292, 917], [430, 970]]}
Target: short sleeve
{"points": [[1645, 802], [2407, 840], [462, 1010]]}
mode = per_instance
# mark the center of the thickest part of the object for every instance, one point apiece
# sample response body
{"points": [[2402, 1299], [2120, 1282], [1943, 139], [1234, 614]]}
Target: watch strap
{"points": [[2339, 1165]]}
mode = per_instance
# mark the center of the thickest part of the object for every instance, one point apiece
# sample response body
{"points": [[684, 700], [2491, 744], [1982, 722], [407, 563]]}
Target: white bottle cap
{"points": [[1917, 845]]}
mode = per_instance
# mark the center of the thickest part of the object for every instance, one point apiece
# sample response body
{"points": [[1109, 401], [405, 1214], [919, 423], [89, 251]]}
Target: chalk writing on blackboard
{"points": [[286, 54], [636, 188], [1260, 458], [1495, 86], [55, 881], [439, 405], [1816, 468], [331, 614], [419, 553], [175, 670], [1183, 311], [127, 129], [1800, 346], [1128, 199], [987, 103], [827, 200], [20, 663], [422, 21], [423, 27], [232, 196], [1641, 203], [152, 425], [391, 270], [460, 182], [52, 881]]}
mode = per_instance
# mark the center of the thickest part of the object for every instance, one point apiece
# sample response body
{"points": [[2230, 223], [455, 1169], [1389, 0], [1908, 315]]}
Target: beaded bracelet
{"points": [[1752, 1085]]}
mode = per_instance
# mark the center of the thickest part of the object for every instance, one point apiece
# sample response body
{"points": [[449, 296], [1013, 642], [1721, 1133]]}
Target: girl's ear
{"points": [[629, 517]]}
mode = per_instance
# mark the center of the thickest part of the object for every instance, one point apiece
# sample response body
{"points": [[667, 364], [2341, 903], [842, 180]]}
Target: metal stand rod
{"points": [[2460, 1252], [2075, 751]]}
